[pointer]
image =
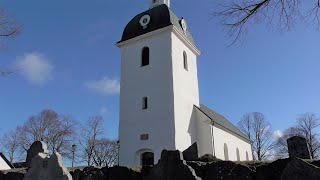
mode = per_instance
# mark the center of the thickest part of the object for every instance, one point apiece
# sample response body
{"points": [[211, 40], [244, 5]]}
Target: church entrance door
{"points": [[147, 159]]}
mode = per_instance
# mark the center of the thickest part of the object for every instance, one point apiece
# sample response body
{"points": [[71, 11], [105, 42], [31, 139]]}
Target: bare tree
{"points": [[5, 72], [281, 142], [9, 28], [237, 15], [263, 141], [305, 127], [11, 145], [56, 130], [105, 153], [245, 125], [259, 131], [92, 131], [307, 124]]}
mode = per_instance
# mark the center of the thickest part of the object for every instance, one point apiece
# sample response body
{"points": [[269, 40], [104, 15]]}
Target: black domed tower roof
{"points": [[160, 16]]}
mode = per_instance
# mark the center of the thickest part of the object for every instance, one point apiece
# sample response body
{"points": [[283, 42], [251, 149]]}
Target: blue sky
{"points": [[66, 60]]}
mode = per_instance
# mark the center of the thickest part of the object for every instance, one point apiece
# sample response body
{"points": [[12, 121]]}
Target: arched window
{"points": [[147, 159], [247, 156], [144, 103], [185, 61], [145, 56], [238, 154], [226, 153]]}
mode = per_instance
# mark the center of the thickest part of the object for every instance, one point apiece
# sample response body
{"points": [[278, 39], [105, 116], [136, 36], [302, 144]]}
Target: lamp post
{"points": [[73, 149]]}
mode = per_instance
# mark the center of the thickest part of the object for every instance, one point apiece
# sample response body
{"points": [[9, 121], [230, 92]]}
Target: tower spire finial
{"points": [[154, 3]]}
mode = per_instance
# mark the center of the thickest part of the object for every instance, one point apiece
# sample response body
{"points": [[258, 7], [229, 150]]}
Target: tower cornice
{"points": [[182, 37], [171, 28]]}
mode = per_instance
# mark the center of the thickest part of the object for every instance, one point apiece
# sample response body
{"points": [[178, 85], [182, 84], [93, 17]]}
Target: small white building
{"points": [[159, 98], [4, 163]]}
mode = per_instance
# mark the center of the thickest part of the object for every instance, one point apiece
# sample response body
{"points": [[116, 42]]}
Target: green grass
{"points": [[136, 168]]}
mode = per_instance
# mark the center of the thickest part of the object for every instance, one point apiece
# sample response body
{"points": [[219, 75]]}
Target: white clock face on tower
{"points": [[184, 25], [144, 21]]}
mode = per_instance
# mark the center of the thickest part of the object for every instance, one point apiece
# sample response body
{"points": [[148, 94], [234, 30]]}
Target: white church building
{"points": [[4, 163], [159, 96]]}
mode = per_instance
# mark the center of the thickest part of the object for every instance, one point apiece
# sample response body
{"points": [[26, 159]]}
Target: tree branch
{"points": [[236, 17]]}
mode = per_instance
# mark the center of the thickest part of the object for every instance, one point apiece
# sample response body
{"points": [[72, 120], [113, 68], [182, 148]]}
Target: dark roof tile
{"points": [[161, 16]]}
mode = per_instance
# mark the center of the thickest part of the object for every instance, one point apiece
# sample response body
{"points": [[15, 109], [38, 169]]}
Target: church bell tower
{"points": [[159, 85], [154, 3]]}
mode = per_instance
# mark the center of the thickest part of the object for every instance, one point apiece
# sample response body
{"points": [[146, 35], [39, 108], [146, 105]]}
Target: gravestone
{"points": [[13, 176], [298, 148], [298, 169], [117, 173], [171, 166], [1, 175], [191, 154], [44, 167], [36, 148]]}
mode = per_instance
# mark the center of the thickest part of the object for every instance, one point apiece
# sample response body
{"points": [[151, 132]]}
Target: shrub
{"points": [[208, 158]]}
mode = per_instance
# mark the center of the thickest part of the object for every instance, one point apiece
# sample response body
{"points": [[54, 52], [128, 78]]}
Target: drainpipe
{"points": [[212, 140]]}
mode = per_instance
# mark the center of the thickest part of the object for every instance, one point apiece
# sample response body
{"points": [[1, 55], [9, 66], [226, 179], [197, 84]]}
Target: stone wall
{"points": [[172, 167]]}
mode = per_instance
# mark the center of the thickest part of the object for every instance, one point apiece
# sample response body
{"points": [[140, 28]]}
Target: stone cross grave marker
{"points": [[44, 167]]}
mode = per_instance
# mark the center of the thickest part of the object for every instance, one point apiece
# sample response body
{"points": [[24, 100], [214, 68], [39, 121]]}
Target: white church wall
{"points": [[4, 165], [204, 136], [186, 92], [233, 142], [153, 81], [206, 144]]}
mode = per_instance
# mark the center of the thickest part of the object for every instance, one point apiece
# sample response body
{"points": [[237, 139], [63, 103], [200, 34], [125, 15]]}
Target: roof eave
{"points": [[6, 160], [224, 128], [143, 36], [183, 37], [172, 28]]}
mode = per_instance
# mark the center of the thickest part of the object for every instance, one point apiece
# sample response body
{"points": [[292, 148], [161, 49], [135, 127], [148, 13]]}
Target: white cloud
{"points": [[96, 32], [107, 86], [96, 38], [270, 154], [35, 67], [278, 134], [103, 110]]}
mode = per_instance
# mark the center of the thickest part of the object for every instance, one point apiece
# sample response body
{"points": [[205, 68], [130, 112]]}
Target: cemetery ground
{"points": [[173, 165]]}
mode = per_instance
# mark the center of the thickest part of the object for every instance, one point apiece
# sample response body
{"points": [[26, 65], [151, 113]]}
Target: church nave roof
{"points": [[222, 122]]}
